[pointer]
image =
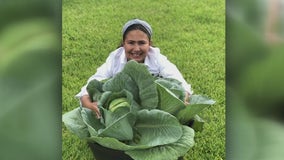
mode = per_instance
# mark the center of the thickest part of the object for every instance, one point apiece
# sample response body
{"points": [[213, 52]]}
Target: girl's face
{"points": [[136, 45]]}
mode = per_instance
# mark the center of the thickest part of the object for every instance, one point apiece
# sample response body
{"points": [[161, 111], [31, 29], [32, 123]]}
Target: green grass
{"points": [[190, 33]]}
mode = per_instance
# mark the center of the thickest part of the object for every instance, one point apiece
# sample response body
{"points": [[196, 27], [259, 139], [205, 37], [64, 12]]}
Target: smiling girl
{"points": [[136, 45]]}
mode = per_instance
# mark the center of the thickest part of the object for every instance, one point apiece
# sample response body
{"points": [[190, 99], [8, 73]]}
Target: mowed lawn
{"points": [[190, 33]]}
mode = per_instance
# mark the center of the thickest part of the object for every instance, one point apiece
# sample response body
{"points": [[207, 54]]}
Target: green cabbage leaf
{"points": [[151, 121]]}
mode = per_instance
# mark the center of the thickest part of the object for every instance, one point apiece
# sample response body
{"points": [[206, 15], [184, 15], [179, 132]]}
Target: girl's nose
{"points": [[136, 47]]}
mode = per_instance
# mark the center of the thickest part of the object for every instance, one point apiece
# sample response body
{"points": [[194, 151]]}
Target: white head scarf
{"points": [[137, 21]]}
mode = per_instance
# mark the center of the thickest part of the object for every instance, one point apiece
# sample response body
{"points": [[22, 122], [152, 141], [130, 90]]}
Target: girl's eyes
{"points": [[131, 42], [139, 42]]}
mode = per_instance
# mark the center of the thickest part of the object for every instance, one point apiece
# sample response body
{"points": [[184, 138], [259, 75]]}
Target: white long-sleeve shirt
{"points": [[157, 64]]}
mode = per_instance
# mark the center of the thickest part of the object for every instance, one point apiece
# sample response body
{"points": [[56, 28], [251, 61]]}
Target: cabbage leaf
{"points": [[152, 127]]}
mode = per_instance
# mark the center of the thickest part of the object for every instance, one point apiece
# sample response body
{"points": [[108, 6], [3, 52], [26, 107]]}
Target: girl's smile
{"points": [[136, 45]]}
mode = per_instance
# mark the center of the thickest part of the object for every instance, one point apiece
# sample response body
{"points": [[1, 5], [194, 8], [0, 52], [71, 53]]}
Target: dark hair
{"points": [[134, 27]]}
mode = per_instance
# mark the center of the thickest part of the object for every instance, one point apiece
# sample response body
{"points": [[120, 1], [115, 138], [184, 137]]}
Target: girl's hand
{"points": [[94, 107], [86, 102], [186, 98]]}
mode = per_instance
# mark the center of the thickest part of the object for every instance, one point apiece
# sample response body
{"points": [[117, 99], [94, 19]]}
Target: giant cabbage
{"points": [[153, 123]]}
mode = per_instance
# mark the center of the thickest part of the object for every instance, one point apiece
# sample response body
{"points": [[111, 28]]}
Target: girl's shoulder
{"points": [[117, 53], [156, 53]]}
